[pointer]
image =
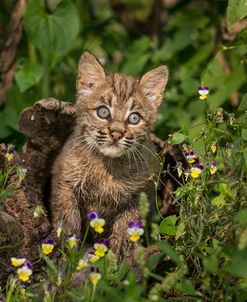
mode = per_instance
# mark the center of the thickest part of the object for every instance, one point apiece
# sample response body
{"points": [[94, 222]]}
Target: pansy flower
{"points": [[191, 157], [82, 263], [92, 257], [101, 247], [213, 147], [25, 271], [196, 171], [203, 91], [17, 262], [179, 169], [9, 153], [96, 223], [213, 168], [72, 241], [94, 276], [135, 230], [47, 246]]}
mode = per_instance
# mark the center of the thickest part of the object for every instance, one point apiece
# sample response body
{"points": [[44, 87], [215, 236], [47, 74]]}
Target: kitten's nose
{"points": [[116, 135]]}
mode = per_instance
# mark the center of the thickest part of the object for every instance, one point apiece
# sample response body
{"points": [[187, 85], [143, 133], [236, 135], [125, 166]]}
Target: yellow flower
{"points": [[47, 247], [72, 241], [93, 258], [100, 249], [94, 277], [82, 263], [213, 168], [214, 148], [196, 171], [17, 262], [134, 237], [135, 230], [24, 272], [97, 224]]}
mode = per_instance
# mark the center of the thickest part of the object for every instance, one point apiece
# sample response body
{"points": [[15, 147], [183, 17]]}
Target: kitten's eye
{"points": [[134, 118], [103, 112]]}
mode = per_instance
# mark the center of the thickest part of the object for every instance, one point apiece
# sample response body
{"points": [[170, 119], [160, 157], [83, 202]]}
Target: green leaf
{"points": [[136, 56], [243, 104], [54, 33], [180, 230], [168, 225], [237, 265], [244, 134], [168, 250], [211, 264], [241, 216], [245, 156], [186, 286], [27, 75], [177, 138], [236, 11], [218, 201]]}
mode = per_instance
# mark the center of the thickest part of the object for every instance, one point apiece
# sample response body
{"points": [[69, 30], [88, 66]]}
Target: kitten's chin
{"points": [[112, 151]]}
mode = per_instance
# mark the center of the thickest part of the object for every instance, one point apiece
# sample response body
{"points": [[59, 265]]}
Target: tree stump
{"points": [[46, 125]]}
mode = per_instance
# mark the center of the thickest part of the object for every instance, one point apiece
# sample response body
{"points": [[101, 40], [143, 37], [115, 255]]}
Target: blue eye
{"points": [[134, 118], [103, 112]]}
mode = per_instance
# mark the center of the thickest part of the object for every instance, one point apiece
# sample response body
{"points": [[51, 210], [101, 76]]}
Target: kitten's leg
{"points": [[119, 238], [65, 208]]}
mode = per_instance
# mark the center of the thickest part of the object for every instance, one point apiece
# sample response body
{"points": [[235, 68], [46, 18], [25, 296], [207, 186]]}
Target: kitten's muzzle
{"points": [[116, 135]]}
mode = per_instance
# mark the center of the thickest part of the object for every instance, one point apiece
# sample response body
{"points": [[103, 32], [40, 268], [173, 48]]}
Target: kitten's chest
{"points": [[102, 189]]}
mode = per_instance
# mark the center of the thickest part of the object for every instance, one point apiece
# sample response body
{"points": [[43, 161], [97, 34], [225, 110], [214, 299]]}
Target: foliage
{"points": [[189, 41]]}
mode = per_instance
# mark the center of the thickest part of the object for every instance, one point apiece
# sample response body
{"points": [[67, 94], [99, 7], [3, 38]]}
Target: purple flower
{"points": [[135, 224], [103, 241], [93, 215]]}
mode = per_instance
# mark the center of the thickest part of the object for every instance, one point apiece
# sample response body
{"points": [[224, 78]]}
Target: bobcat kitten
{"points": [[107, 161]]}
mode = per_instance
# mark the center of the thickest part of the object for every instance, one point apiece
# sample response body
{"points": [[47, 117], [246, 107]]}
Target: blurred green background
{"points": [[201, 41]]}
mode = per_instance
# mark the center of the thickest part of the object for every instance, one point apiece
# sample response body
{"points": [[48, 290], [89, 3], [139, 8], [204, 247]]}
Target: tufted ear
{"points": [[153, 84], [90, 74]]}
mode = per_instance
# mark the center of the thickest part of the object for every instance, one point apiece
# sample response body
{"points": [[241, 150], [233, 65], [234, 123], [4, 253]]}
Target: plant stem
{"points": [[46, 80]]}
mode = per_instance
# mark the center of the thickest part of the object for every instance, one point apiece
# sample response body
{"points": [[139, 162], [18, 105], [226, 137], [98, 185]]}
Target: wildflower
{"points": [[82, 263], [92, 257], [59, 229], [219, 115], [203, 91], [72, 241], [39, 211], [17, 262], [94, 276], [191, 157], [24, 272], [101, 247], [196, 171], [231, 118], [213, 147], [213, 168], [9, 153], [228, 150], [135, 230], [179, 170], [21, 173], [48, 246], [96, 223]]}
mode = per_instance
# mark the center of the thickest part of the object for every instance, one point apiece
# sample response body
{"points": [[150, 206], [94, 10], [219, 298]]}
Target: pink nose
{"points": [[116, 135]]}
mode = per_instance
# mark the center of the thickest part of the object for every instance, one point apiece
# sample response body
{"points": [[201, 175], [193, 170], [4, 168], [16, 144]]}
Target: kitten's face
{"points": [[115, 112]]}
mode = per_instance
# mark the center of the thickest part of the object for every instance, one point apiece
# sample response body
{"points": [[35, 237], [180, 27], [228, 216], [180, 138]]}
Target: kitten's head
{"points": [[115, 112]]}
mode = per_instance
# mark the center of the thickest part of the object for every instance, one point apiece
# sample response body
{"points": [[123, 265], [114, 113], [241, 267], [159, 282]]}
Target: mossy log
{"points": [[46, 126]]}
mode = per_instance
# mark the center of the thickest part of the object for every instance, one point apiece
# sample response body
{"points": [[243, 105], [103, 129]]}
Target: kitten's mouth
{"points": [[112, 149]]}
